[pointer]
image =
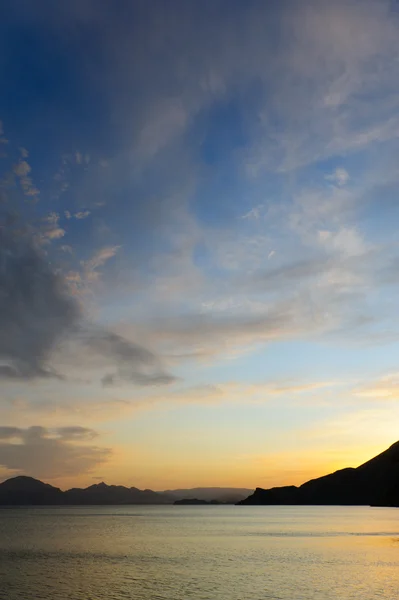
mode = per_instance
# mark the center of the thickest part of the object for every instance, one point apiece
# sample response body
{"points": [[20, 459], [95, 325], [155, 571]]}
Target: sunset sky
{"points": [[199, 251]]}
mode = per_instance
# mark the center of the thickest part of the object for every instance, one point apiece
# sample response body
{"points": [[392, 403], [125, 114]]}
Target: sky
{"points": [[199, 262]]}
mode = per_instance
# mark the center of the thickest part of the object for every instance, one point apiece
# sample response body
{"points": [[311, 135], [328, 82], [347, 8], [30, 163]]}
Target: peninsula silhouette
{"points": [[375, 483]]}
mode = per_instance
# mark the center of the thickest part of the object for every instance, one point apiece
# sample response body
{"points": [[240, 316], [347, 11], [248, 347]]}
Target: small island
{"points": [[196, 501]]}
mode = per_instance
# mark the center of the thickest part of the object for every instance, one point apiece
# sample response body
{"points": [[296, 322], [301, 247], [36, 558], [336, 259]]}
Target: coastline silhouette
{"points": [[376, 482]]}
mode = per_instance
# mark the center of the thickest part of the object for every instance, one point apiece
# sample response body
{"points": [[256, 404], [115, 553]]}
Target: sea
{"points": [[199, 553]]}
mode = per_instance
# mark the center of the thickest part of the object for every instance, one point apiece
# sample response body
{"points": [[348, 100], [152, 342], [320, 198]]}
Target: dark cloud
{"points": [[132, 376], [35, 308], [9, 432], [37, 312], [134, 362], [50, 454], [76, 433], [110, 343]]}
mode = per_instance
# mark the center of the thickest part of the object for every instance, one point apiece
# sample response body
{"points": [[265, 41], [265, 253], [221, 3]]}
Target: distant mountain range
{"points": [[375, 483], [23, 491]]}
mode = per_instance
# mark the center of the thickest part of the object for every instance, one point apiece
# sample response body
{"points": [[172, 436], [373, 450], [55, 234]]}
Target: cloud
{"points": [[50, 229], [224, 333], [336, 57], [98, 407], [83, 214], [287, 274], [45, 453], [35, 309], [54, 234], [37, 313], [214, 292], [22, 170], [340, 176], [243, 393], [315, 207], [385, 388], [316, 66], [55, 406], [346, 241], [307, 291], [99, 258], [76, 433], [134, 363], [254, 213], [9, 432]]}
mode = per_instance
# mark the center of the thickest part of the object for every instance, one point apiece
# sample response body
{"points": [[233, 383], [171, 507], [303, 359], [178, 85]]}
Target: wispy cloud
{"points": [[385, 388], [99, 259], [234, 392], [336, 56]]}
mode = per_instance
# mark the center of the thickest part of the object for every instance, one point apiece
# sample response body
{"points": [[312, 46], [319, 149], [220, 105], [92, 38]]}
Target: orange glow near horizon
{"points": [[274, 470]]}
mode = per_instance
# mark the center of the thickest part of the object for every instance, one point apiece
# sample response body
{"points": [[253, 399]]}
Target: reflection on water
{"points": [[221, 552]]}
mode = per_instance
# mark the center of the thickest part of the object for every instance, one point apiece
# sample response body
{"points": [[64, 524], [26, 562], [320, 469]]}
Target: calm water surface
{"points": [[199, 553]]}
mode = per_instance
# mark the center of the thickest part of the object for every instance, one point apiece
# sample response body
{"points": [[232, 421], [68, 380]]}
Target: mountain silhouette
{"points": [[101, 493], [24, 491], [375, 482]]}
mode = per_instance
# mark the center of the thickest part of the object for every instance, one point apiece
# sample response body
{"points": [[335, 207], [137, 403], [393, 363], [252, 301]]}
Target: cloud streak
{"points": [[384, 389]]}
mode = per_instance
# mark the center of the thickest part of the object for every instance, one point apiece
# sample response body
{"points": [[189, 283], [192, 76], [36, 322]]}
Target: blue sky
{"points": [[208, 190]]}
